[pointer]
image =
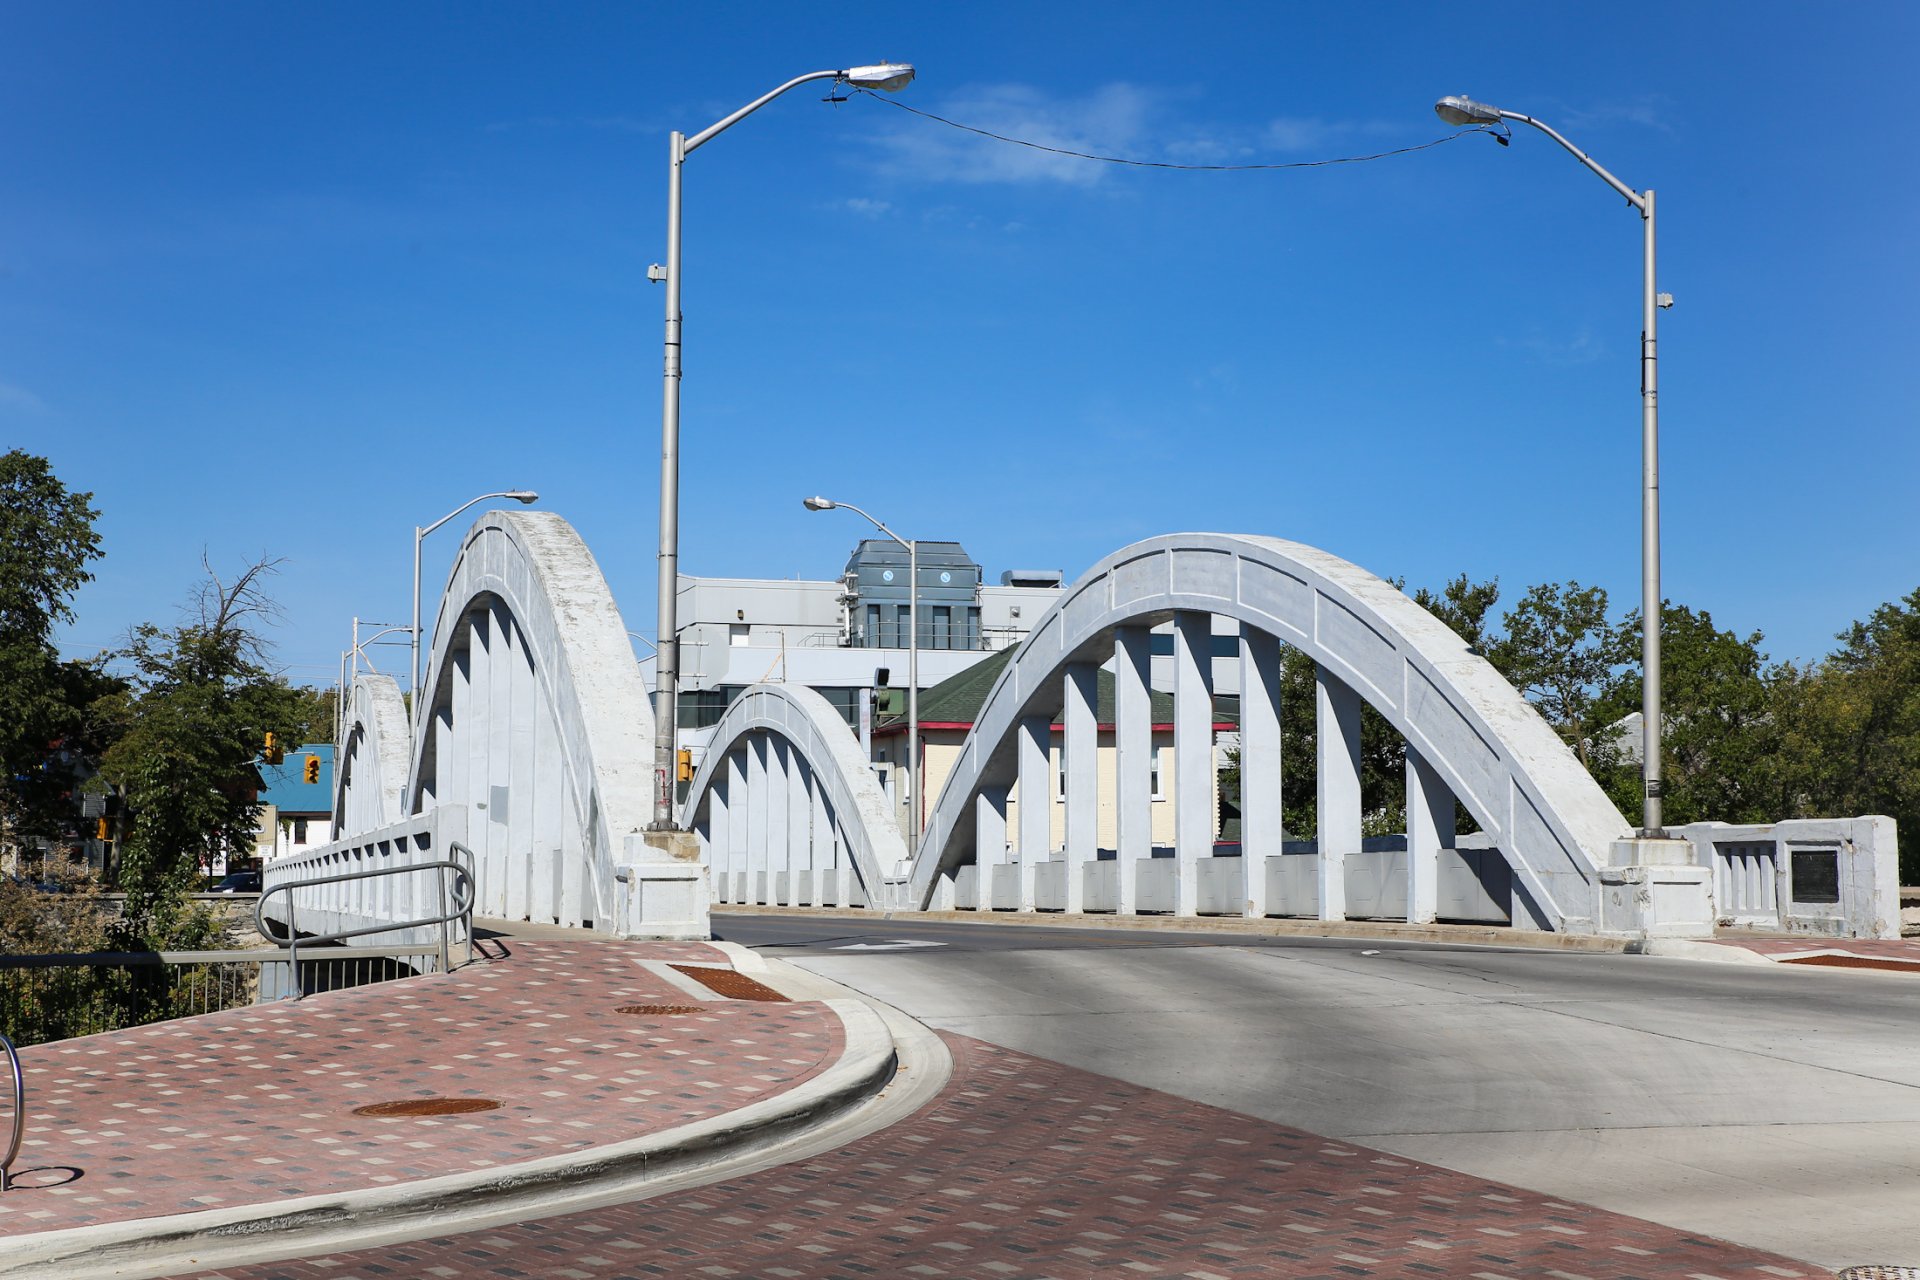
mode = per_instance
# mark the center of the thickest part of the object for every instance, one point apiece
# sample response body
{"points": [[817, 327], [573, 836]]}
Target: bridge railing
{"points": [[345, 898]]}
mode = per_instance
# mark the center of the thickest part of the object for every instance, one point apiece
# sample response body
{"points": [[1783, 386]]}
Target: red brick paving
{"points": [[253, 1105], [1901, 951], [1023, 1168]]}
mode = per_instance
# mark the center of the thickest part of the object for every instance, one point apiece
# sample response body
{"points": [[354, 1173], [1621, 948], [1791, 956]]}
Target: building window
{"points": [[1060, 787], [1154, 773], [299, 830]]}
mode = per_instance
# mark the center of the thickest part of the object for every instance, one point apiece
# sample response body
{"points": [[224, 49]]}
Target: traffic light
{"points": [[312, 774], [683, 761], [101, 832], [273, 754]]}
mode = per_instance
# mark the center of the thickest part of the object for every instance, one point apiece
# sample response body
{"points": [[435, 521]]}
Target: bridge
{"points": [[532, 747]]}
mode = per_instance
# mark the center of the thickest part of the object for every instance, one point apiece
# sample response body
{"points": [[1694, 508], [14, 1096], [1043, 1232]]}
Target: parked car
{"points": [[239, 882]]}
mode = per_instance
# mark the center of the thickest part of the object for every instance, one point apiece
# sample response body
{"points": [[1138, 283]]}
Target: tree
{"points": [[1851, 727], [1465, 606], [199, 705], [46, 542], [1556, 652], [1720, 725]]}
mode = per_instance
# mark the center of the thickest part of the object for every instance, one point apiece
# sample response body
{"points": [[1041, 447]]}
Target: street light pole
{"points": [[1460, 110], [890, 76], [523, 496], [913, 663]]}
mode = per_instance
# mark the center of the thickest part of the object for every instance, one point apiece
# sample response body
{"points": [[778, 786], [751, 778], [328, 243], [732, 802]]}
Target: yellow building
{"points": [[947, 714]]}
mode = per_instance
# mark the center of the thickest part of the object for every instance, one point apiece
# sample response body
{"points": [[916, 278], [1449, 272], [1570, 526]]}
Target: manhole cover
{"points": [[1881, 1273], [659, 1010], [428, 1107]]}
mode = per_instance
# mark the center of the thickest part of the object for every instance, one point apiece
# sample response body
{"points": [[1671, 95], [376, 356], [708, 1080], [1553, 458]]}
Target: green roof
{"points": [[958, 699]]}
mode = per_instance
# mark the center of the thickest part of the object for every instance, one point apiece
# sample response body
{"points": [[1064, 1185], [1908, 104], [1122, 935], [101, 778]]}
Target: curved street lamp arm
{"points": [[1634, 198], [728, 122], [876, 524], [504, 493]]}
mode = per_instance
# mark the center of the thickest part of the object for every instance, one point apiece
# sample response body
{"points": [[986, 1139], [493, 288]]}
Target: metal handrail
{"points": [[19, 1114], [460, 899]]}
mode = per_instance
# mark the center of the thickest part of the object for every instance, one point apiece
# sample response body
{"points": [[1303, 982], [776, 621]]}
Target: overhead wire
{"points": [[1169, 164]]}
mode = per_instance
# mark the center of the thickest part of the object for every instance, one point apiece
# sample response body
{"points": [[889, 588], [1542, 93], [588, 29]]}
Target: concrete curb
{"points": [[1696, 949], [314, 1224], [1461, 935]]}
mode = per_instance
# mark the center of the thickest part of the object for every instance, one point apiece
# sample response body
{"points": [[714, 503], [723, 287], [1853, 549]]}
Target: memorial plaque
{"points": [[1816, 875]]}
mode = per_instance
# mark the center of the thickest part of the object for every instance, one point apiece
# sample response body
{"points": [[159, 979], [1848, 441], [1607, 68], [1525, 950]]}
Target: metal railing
{"points": [[59, 996], [19, 1114], [457, 899]]}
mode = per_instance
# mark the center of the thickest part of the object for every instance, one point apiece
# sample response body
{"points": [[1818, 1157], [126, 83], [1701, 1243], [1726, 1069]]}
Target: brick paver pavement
{"points": [[255, 1105], [1025, 1168], [1888, 951]]}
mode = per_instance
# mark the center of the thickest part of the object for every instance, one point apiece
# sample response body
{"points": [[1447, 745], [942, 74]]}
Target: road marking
{"points": [[898, 944]]}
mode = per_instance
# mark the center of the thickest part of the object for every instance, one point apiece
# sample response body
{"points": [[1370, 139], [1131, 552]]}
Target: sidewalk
{"points": [[1024, 1168], [582, 1045], [1893, 954]]}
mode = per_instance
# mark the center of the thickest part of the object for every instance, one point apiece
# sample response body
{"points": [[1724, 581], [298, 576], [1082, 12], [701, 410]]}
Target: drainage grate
{"points": [[659, 1010], [1880, 1273], [729, 983], [428, 1107]]}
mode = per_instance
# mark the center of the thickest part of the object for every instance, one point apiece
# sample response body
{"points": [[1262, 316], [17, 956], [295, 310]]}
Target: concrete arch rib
{"points": [[370, 762], [537, 719], [1504, 763], [813, 729]]}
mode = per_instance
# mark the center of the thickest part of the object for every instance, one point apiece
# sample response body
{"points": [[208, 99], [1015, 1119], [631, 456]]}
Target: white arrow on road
{"points": [[898, 944]]}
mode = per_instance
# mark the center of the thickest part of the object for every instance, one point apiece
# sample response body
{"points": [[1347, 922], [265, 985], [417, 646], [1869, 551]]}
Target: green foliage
{"points": [[199, 705], [1851, 728], [1557, 651], [46, 543], [1720, 722]]}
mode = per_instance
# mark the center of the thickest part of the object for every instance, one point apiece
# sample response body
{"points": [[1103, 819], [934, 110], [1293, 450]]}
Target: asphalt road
{"points": [[1772, 1106]]}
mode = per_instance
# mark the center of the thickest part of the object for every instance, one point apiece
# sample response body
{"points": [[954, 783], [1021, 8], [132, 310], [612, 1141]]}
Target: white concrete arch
{"points": [[370, 761], [536, 719], [787, 809], [1469, 733]]}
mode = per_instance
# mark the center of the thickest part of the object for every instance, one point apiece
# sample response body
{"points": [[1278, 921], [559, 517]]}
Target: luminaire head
{"points": [[818, 504], [890, 76], [1458, 109], [526, 496]]}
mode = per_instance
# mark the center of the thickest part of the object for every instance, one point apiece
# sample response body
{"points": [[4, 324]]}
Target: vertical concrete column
{"points": [[1133, 763], [799, 830], [1036, 801], [1083, 787], [499, 871], [989, 842], [1192, 755], [779, 763], [738, 835], [822, 858], [524, 696], [1260, 808], [550, 807], [718, 835], [1430, 828], [756, 796], [472, 740], [1337, 789]]}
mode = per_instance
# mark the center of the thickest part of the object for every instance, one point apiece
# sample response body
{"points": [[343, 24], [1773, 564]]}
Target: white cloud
{"points": [[864, 207], [1117, 119], [1121, 120], [1581, 348], [20, 399]]}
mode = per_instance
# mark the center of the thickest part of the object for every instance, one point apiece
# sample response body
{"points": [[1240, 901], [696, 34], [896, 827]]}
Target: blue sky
{"points": [[289, 279]]}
